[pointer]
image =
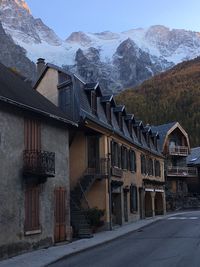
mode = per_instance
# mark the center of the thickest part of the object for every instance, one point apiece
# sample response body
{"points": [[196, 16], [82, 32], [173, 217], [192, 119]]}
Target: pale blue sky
{"points": [[66, 16]]}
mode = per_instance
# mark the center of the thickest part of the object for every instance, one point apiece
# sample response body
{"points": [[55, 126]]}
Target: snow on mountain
{"points": [[151, 50], [18, 22]]}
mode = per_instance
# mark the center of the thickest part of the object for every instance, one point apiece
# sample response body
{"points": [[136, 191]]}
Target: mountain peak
{"points": [[23, 4], [18, 22], [79, 37], [19, 4]]}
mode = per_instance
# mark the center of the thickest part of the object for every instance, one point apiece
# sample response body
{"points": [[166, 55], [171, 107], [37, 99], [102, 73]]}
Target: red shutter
{"points": [[32, 209], [60, 214], [32, 134]]}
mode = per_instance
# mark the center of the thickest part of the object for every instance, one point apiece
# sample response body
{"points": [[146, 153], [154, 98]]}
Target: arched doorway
{"points": [[148, 205], [159, 209]]}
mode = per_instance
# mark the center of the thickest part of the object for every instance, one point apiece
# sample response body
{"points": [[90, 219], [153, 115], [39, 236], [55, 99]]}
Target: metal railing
{"points": [[41, 163], [98, 167], [182, 171], [179, 150]]}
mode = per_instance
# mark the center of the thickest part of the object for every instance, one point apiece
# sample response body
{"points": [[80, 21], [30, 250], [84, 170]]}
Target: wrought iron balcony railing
{"points": [[182, 171], [98, 167], [178, 150], [39, 163]]}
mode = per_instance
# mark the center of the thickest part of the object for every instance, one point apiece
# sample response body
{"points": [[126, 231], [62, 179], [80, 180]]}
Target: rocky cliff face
{"points": [[14, 56], [116, 60], [17, 21]]}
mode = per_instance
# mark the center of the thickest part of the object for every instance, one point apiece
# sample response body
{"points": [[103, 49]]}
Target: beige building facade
{"points": [[115, 162]]}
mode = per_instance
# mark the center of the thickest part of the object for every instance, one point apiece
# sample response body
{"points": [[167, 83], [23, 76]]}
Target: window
{"points": [[108, 112], [94, 102], [120, 121], [133, 199], [130, 128], [148, 139], [63, 77], [132, 161], [116, 154], [32, 209], [124, 158], [157, 168], [150, 167], [139, 134], [64, 99], [155, 142], [143, 164]]}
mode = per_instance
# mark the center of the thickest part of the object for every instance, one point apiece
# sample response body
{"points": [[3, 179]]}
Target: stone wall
{"points": [[12, 186]]}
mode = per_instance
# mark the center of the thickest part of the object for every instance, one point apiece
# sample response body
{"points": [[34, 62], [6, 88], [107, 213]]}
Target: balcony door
{"points": [[93, 153]]}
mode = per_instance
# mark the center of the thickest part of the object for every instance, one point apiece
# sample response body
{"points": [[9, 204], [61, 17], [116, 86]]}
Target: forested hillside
{"points": [[171, 96]]}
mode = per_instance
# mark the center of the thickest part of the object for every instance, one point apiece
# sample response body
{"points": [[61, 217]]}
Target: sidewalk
{"points": [[44, 257]]}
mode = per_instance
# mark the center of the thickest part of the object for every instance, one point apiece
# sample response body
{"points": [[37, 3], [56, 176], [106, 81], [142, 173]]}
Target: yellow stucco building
{"points": [[115, 163]]}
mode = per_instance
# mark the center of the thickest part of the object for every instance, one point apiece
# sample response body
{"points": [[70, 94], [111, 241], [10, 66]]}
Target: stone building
{"points": [[34, 172], [115, 161]]}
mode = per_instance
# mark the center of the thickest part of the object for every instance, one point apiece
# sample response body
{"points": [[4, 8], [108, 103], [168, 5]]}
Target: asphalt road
{"points": [[167, 243]]}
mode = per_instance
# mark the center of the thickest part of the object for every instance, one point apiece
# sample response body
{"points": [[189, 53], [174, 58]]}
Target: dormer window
{"points": [[120, 112], [130, 128], [93, 91], [120, 121], [108, 112], [148, 139], [156, 143], [108, 102], [139, 134], [93, 102], [63, 77]]}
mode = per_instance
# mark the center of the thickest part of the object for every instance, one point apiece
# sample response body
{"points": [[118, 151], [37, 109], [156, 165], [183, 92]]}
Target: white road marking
{"points": [[182, 218]]}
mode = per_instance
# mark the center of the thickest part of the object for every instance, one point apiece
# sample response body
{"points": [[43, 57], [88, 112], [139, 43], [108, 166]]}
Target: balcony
{"points": [[182, 171], [98, 167], [178, 150], [115, 171], [39, 163]]}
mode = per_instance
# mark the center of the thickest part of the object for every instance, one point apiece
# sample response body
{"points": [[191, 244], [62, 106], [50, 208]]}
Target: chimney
{"points": [[40, 66]]}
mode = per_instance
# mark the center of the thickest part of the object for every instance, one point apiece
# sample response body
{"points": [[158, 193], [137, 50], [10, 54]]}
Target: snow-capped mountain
{"points": [[117, 60]]}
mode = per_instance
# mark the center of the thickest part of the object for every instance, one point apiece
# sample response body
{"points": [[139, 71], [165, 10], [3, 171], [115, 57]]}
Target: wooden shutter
{"points": [[32, 208], [60, 214], [32, 134], [119, 156], [112, 153]]}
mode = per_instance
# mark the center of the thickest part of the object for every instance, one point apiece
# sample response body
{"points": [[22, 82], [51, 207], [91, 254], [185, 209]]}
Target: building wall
{"points": [[12, 187], [98, 195], [48, 86], [78, 158]]}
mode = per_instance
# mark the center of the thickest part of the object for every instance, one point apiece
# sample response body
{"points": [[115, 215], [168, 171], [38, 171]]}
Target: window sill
{"points": [[33, 232]]}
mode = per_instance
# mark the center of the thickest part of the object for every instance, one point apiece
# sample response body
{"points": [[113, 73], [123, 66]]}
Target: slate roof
{"points": [[194, 157], [162, 130], [100, 119], [83, 112], [15, 91]]}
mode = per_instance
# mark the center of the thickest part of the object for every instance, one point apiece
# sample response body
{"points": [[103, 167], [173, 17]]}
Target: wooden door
{"points": [[60, 214]]}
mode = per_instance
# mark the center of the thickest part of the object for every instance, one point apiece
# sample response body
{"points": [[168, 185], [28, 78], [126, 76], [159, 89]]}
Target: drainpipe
{"points": [[109, 185]]}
